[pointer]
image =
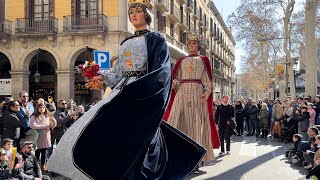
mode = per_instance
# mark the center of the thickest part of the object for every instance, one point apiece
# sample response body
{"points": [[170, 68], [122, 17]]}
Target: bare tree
{"points": [[311, 82]]}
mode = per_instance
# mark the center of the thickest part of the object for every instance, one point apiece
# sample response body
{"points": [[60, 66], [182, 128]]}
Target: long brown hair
{"points": [[46, 111]]}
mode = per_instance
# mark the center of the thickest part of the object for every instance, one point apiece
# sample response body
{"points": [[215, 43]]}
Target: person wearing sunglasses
{"points": [[31, 168], [12, 123], [63, 117], [25, 112]]}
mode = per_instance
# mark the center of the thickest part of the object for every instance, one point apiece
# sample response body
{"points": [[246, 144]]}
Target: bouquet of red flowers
{"points": [[90, 70]]}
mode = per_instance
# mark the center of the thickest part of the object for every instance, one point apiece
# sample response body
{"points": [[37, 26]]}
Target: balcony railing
{"points": [[85, 23], [196, 13], [169, 38], [5, 28], [162, 5], [175, 14], [183, 23], [37, 25], [190, 6], [217, 72]]}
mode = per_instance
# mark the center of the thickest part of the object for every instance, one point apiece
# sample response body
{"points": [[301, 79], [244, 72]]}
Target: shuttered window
{"points": [[85, 8], [2, 9], [39, 8]]}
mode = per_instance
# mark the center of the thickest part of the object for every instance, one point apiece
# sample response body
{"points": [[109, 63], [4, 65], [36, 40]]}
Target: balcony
{"points": [[217, 72], [84, 24], [36, 26], [162, 5], [5, 28], [175, 14], [190, 30], [190, 6], [169, 38], [183, 24], [196, 13], [204, 24], [181, 2]]}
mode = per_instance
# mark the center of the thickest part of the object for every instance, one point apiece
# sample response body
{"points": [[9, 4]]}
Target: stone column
{"points": [[65, 84], [19, 82]]}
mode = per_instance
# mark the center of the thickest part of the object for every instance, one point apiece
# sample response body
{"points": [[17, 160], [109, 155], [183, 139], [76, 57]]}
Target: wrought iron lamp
{"points": [[37, 74]]}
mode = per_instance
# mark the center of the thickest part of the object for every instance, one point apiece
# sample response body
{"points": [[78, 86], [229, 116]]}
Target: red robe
{"points": [[215, 140]]}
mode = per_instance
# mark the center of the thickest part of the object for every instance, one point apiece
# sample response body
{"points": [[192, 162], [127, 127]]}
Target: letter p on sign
{"points": [[103, 59]]}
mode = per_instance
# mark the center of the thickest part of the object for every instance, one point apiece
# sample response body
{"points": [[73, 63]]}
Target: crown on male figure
{"points": [[193, 37]]}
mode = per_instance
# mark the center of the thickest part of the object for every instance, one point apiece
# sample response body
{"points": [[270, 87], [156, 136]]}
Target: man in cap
{"points": [[31, 168]]}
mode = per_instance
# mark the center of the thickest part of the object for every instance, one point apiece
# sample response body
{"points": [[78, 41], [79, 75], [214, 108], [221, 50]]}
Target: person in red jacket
{"points": [[190, 107]]}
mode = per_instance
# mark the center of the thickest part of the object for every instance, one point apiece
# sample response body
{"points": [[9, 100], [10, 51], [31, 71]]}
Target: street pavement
{"points": [[252, 158]]}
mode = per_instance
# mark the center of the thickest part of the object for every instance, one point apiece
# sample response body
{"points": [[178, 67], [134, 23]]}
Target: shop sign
{"points": [[81, 89], [5, 86]]}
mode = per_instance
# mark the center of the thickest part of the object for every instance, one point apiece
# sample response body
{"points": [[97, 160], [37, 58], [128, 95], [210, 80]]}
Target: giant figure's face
{"points": [[193, 46], [137, 17]]}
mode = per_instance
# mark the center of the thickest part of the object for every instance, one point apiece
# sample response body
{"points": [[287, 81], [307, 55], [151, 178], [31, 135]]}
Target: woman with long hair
{"points": [[42, 121]]}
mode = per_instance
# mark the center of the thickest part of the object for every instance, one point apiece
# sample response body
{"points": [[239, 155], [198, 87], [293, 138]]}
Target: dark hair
{"points": [[144, 8], [314, 129], [297, 136], [61, 100], [5, 141], [10, 104]]}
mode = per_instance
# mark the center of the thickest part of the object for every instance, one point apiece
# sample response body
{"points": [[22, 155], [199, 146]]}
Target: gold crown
{"points": [[146, 3], [193, 37]]}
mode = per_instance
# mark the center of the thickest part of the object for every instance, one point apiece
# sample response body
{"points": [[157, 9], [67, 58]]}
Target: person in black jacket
{"points": [[31, 168], [12, 123], [223, 117], [240, 114]]}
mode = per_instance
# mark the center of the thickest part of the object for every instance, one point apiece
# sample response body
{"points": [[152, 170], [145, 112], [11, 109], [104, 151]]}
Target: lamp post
{"points": [[37, 74]]}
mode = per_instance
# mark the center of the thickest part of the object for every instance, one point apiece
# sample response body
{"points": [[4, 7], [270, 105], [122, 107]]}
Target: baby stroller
{"points": [[288, 130]]}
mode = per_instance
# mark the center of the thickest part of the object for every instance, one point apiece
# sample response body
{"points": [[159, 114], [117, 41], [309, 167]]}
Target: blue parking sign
{"points": [[103, 59]]}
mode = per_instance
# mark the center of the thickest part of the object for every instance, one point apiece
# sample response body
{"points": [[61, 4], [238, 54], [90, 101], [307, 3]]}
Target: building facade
{"points": [[50, 37]]}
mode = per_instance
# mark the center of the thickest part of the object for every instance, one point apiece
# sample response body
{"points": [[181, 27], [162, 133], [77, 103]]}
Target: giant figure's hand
{"points": [[205, 96]]}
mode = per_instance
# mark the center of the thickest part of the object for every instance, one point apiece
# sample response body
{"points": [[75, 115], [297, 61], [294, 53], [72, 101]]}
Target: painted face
{"points": [[137, 17], [193, 46]]}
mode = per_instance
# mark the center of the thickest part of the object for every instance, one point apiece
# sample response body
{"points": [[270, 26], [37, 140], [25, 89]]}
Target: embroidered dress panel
{"points": [[132, 57]]}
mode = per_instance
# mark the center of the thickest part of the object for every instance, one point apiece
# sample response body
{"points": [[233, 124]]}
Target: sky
{"points": [[227, 7]]}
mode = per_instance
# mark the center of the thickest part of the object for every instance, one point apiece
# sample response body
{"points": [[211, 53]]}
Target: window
{"points": [[171, 30], [88, 7], [85, 8], [41, 9], [2, 9]]}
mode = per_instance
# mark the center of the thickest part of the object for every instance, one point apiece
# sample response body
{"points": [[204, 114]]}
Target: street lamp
{"points": [[37, 74]]}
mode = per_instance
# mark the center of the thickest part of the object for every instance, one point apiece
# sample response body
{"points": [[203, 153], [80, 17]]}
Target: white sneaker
{"points": [[295, 161], [309, 166]]}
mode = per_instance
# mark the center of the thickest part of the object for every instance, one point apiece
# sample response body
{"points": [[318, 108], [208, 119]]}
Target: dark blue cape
{"points": [[128, 140]]}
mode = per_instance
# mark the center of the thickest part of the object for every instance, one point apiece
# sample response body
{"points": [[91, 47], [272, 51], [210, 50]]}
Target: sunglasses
{"points": [[29, 147], [25, 96], [63, 103]]}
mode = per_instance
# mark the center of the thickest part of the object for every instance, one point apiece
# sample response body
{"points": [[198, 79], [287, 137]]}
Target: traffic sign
{"points": [[102, 58]]}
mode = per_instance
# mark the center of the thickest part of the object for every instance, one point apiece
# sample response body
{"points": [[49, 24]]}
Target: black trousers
{"points": [[239, 127], [43, 155], [223, 137], [314, 172]]}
